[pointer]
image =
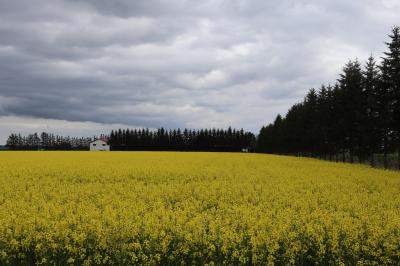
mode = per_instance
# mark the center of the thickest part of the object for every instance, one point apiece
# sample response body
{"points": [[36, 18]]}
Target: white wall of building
{"points": [[99, 145]]}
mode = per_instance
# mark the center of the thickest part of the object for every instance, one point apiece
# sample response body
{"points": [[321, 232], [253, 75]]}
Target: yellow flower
{"points": [[151, 208]]}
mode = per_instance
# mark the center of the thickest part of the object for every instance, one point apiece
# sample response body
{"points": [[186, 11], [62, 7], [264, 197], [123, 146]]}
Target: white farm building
{"points": [[99, 145]]}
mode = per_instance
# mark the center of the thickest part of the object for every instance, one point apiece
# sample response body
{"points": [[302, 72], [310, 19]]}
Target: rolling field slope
{"points": [[203, 208]]}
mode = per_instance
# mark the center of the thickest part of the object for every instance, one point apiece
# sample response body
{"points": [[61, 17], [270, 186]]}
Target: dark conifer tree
{"points": [[350, 83], [384, 110], [310, 119], [392, 74], [370, 108]]}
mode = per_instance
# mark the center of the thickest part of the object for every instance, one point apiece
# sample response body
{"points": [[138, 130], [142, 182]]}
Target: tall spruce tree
{"points": [[371, 113], [392, 61], [310, 119], [350, 83], [322, 122], [384, 110]]}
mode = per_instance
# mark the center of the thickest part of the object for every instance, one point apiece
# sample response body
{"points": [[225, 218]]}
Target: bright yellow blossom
{"points": [[151, 208]]}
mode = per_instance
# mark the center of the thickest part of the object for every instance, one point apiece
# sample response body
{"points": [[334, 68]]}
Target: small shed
{"points": [[99, 145]]}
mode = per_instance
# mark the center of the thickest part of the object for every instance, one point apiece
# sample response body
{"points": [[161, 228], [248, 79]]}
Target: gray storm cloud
{"points": [[177, 63]]}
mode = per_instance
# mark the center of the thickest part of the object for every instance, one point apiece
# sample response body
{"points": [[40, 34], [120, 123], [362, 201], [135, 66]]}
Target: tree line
{"points": [[46, 141], [358, 118], [182, 140], [143, 139]]}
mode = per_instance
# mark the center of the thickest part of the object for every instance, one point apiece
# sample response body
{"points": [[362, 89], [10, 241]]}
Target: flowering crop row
{"points": [[152, 208]]}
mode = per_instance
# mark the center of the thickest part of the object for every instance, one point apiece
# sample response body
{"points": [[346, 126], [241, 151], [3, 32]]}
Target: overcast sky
{"points": [[82, 67]]}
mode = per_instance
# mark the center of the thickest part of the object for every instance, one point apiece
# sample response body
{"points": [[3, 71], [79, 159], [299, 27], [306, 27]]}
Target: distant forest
{"points": [[143, 139], [358, 118], [46, 141], [186, 140]]}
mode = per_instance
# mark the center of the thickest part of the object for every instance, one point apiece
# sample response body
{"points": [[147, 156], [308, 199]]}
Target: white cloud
{"points": [[214, 79]]}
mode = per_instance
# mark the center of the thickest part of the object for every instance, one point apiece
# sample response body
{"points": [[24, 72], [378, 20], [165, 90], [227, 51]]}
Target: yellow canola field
{"points": [[119, 208]]}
